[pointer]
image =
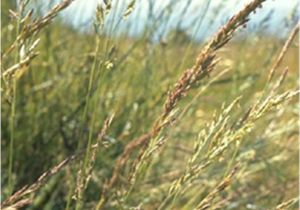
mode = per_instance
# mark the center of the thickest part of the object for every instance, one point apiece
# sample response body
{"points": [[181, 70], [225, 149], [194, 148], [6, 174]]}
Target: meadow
{"points": [[104, 120]]}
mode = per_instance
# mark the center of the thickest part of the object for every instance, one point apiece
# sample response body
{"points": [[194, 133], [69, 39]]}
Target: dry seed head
{"points": [[84, 174], [27, 17], [212, 132], [107, 5], [18, 69], [129, 9], [287, 204], [16, 198], [99, 16], [203, 66], [14, 14], [34, 27], [207, 201]]}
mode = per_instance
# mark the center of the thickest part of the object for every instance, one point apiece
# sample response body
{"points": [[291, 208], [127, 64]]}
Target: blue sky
{"points": [[80, 14]]}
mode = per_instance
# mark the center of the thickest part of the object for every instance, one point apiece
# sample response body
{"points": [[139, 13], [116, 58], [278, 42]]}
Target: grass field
{"points": [[103, 120]]}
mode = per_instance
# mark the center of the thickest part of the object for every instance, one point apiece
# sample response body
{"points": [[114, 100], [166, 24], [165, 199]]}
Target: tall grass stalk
{"points": [[13, 106]]}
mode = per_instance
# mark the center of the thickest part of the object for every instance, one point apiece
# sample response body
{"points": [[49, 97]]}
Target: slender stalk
{"points": [[12, 136], [283, 51], [13, 111], [88, 95]]}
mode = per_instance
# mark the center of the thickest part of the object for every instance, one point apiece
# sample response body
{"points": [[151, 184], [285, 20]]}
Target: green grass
{"points": [[209, 150]]}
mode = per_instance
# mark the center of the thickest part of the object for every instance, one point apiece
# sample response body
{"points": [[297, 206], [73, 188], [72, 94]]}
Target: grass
{"points": [[104, 120]]}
